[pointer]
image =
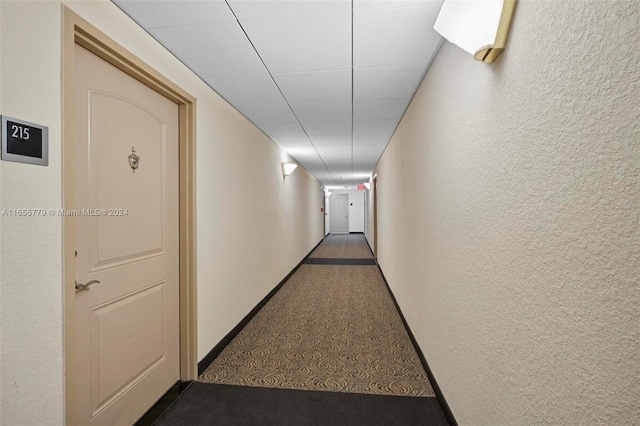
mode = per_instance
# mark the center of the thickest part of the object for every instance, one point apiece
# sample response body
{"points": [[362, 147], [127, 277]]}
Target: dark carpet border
{"points": [[436, 389], [163, 404], [217, 349], [339, 261], [234, 405]]}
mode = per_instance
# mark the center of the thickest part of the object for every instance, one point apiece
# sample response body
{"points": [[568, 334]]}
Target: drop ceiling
{"points": [[328, 81]]}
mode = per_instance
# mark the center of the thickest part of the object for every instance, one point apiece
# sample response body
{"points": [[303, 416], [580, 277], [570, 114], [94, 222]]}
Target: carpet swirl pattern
{"points": [[329, 328], [349, 246]]}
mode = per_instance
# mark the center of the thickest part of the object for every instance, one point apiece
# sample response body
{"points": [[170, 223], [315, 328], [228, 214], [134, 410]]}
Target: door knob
{"points": [[80, 287]]}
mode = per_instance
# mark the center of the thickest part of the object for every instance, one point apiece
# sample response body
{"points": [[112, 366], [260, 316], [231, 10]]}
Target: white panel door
{"points": [[340, 214], [127, 344]]}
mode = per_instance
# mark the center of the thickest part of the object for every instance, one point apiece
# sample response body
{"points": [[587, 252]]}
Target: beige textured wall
{"points": [[31, 373], [509, 220], [253, 225]]}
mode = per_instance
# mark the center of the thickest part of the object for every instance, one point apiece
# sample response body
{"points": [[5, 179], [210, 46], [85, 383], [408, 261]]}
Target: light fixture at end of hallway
{"points": [[328, 193], [480, 27], [288, 168], [367, 185]]}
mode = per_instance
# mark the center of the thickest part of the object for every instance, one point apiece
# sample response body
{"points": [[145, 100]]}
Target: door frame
{"points": [[76, 30], [324, 214], [375, 217], [366, 213]]}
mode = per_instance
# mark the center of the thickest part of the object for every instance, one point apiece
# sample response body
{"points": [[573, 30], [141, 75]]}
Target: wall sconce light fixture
{"points": [[367, 185], [480, 27], [288, 168]]}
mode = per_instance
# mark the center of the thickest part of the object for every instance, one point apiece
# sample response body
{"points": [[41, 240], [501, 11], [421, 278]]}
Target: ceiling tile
{"points": [[393, 4], [340, 171], [339, 167], [303, 153], [324, 177], [302, 44], [153, 14], [322, 111], [328, 128], [318, 168], [361, 175], [364, 167], [373, 131], [386, 109], [368, 152], [331, 140], [387, 83], [286, 134], [335, 152], [408, 37], [315, 166], [342, 174], [268, 113], [322, 86], [212, 50], [247, 89], [248, 9]]}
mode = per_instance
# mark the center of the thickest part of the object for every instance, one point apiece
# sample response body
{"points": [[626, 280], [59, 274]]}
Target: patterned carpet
{"points": [[329, 328]]}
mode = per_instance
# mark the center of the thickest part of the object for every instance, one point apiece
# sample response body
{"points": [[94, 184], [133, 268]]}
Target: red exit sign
{"points": [[361, 187]]}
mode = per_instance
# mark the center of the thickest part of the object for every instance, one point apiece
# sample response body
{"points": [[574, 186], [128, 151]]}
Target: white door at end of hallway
{"points": [[127, 349], [340, 214]]}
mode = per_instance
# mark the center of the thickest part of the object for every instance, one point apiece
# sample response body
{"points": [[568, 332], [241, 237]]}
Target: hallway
{"points": [[501, 199], [333, 328]]}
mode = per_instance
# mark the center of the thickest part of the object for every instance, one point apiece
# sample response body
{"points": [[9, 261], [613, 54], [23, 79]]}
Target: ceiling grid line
{"points": [[280, 90], [352, 91]]}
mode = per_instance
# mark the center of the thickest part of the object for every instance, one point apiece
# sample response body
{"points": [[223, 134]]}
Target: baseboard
{"points": [[439, 395], [372, 253], [217, 349]]}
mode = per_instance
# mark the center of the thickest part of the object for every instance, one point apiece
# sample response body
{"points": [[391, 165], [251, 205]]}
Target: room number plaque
{"points": [[24, 142]]}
